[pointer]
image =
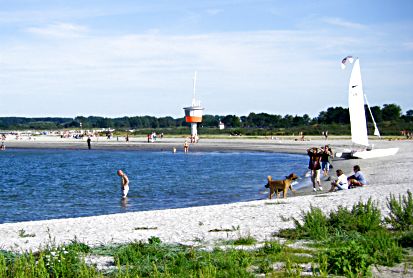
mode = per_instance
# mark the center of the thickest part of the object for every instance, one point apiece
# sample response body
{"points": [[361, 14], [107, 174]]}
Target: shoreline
{"points": [[192, 225]]}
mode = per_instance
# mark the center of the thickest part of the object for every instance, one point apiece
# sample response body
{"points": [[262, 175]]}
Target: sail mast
{"points": [[376, 130]]}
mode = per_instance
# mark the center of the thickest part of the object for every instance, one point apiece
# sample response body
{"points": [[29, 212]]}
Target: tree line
{"points": [[334, 118]]}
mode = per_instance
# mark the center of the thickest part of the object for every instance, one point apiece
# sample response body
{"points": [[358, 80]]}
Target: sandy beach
{"points": [[195, 225]]}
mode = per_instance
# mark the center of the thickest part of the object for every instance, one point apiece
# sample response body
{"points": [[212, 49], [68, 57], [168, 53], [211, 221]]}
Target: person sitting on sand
{"points": [[340, 183], [357, 179], [124, 181]]}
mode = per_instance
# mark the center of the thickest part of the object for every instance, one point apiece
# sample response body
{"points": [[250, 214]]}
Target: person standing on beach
{"points": [[315, 166], [124, 181], [89, 143], [325, 159], [186, 146]]}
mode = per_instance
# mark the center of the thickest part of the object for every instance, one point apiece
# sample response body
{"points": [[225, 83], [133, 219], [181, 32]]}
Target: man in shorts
{"points": [[124, 183]]}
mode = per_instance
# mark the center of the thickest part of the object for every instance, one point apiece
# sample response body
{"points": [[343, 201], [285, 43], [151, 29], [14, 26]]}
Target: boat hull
{"points": [[375, 153], [365, 154]]}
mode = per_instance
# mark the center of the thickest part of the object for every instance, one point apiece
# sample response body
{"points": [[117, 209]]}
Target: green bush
{"points": [[314, 226], [362, 218], [247, 240], [406, 239], [401, 212], [366, 216], [77, 246], [271, 247], [347, 257], [355, 252]]}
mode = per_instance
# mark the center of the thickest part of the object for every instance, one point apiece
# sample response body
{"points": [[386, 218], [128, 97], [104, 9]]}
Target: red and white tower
{"points": [[193, 113]]}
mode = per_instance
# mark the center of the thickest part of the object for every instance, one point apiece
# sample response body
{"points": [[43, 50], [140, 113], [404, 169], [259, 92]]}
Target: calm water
{"points": [[47, 184]]}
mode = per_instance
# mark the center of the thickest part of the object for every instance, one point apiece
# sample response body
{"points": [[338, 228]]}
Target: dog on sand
{"points": [[276, 186]]}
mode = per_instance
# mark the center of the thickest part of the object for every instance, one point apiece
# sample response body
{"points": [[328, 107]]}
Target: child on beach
{"points": [[325, 159], [124, 183], [340, 183]]}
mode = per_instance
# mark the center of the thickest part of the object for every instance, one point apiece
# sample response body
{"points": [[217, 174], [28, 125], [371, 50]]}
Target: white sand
{"points": [[192, 225]]}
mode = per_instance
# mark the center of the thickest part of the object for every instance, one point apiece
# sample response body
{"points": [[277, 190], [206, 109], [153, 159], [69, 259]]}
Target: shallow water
{"points": [[38, 184]]}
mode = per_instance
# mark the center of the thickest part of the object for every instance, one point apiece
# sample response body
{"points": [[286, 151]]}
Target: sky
{"points": [[134, 58]]}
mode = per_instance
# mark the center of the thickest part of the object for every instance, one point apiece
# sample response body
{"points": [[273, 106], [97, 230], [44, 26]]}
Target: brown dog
{"points": [[281, 185]]}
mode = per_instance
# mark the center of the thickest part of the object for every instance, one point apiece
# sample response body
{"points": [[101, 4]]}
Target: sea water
{"points": [[38, 184]]}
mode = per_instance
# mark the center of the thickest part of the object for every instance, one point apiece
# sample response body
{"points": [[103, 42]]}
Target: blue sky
{"points": [[127, 58]]}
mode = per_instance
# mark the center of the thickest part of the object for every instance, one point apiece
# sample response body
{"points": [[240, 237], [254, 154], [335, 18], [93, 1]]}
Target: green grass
{"points": [[343, 242]]}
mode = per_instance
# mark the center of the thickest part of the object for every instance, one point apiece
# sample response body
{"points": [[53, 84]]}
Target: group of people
{"points": [[343, 182], [320, 159]]}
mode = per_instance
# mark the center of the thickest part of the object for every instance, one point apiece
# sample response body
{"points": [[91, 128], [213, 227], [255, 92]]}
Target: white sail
{"points": [[356, 107]]}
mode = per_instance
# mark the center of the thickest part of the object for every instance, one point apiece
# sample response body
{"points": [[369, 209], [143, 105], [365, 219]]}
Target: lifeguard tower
{"points": [[193, 113]]}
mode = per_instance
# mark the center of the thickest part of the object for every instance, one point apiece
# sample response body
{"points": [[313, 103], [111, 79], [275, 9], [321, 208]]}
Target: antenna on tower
{"points": [[193, 98]]}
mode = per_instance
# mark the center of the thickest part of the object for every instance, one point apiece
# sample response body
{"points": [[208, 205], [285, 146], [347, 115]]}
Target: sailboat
{"points": [[359, 136]]}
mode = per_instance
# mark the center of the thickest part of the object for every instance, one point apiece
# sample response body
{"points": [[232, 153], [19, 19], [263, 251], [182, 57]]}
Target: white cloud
{"points": [[59, 30], [151, 73], [213, 12], [408, 45], [343, 23]]}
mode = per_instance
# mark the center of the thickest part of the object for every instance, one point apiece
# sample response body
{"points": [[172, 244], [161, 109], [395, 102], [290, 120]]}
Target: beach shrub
{"points": [[401, 212], [383, 247], [271, 247], [406, 239], [154, 240], [315, 225], [355, 252], [367, 216], [54, 262], [246, 240], [78, 246], [346, 258], [144, 260], [363, 217]]}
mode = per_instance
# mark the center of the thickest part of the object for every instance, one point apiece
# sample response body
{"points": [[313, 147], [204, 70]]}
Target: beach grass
{"points": [[346, 241], [350, 241]]}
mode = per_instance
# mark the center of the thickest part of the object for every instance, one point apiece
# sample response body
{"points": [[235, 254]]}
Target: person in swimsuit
{"points": [[124, 181]]}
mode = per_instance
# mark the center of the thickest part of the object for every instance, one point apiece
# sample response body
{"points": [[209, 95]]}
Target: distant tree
{"points": [[166, 122], [210, 121], [408, 117], [391, 112], [231, 121], [377, 114]]}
